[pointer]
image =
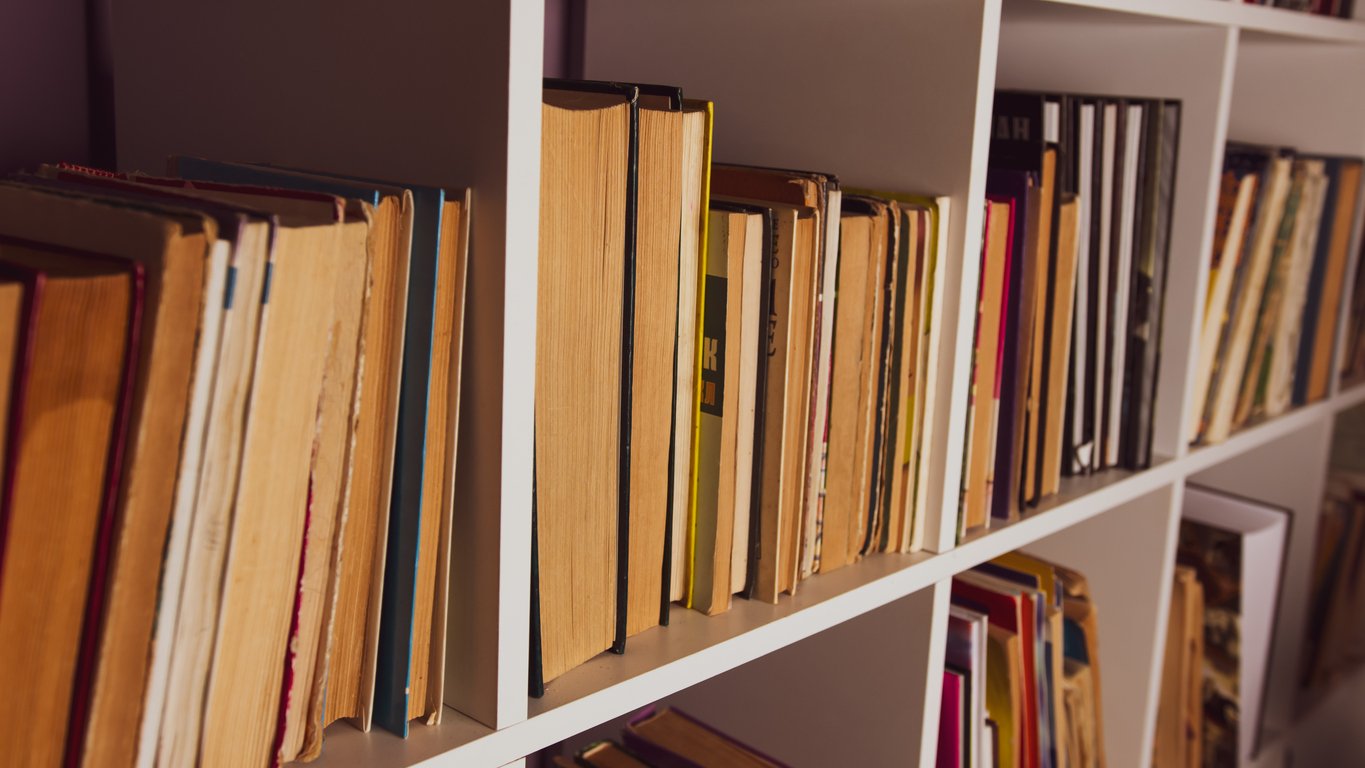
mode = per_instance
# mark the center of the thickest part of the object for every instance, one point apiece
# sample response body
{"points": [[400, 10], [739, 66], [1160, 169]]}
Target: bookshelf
{"points": [[892, 94]]}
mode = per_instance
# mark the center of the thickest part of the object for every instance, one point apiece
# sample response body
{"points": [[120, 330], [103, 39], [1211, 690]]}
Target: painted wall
{"points": [[43, 112]]}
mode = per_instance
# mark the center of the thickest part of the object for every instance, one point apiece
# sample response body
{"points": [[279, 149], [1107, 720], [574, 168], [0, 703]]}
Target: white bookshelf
{"points": [[891, 94]]}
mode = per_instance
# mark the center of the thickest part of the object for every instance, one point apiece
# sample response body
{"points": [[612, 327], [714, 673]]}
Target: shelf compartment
{"points": [[1266, 20]]}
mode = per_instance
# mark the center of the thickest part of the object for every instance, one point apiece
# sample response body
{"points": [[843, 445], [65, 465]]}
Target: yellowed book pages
{"points": [[584, 152], [861, 523], [841, 496], [752, 338], [657, 231], [801, 341]]}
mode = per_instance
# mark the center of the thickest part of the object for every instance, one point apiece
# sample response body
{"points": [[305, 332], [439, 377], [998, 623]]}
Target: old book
{"points": [[1249, 285], [720, 471], [443, 433], [774, 525], [1324, 337], [1236, 198], [933, 215], [856, 257], [654, 341], [995, 265], [952, 721], [581, 513], [607, 754], [697, 122], [904, 352], [370, 499], [877, 334], [192, 565], [1130, 199], [1179, 723], [1079, 427], [1012, 611], [1034, 315], [76, 350], [187, 263], [1281, 356], [1059, 332], [1292, 223], [813, 319], [270, 516], [670, 738]]}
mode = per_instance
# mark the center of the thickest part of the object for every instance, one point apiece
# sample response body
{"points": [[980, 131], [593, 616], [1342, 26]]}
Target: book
{"points": [[858, 255], [1237, 195], [952, 721], [1012, 611], [358, 619], [1248, 289], [189, 264], [654, 339], [1180, 719], [669, 738], [1281, 356], [995, 265], [75, 350], [1149, 283], [607, 754], [966, 651], [812, 319], [581, 510], [1236, 547], [1320, 330], [698, 118], [1059, 346], [725, 447]]}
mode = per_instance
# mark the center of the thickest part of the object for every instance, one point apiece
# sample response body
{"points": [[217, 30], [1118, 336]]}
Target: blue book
{"points": [[397, 608]]}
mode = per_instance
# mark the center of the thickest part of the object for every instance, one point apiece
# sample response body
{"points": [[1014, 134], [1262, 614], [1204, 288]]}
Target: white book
{"points": [[1256, 533], [213, 316]]}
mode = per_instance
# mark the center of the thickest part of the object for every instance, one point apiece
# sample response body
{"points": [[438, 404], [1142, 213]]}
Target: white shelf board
{"points": [[1253, 18]]}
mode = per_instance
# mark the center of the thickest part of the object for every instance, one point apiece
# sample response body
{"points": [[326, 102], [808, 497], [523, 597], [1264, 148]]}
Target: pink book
{"points": [[950, 725]]}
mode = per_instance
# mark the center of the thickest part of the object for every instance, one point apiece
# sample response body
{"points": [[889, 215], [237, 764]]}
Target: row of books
{"points": [[1021, 679], [1073, 260], [668, 738], [1335, 636], [1341, 9], [1285, 226], [1224, 596], [230, 399], [733, 366]]}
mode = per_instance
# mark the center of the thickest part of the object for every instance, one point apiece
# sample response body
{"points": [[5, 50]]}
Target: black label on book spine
{"points": [[713, 347]]}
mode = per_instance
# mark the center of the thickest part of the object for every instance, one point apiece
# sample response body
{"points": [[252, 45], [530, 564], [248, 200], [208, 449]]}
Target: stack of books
{"points": [[1021, 678], [732, 370], [1073, 264], [668, 738], [1286, 223], [1222, 618], [230, 400]]}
